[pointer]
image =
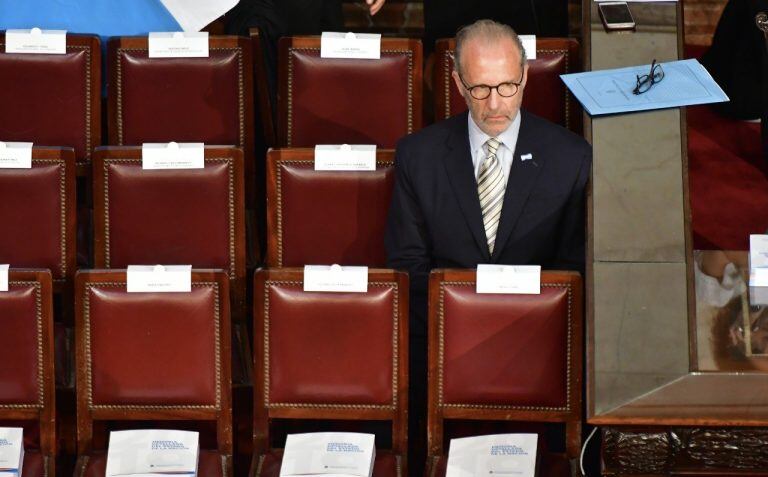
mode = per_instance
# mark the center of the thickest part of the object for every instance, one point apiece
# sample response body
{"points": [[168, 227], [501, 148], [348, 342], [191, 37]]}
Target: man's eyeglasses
{"points": [[482, 91], [644, 82]]}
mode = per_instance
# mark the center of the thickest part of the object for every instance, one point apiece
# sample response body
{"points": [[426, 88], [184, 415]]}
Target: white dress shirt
{"points": [[505, 153]]}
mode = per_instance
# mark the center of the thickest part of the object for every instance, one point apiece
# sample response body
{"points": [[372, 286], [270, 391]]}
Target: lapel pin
{"points": [[526, 157]]}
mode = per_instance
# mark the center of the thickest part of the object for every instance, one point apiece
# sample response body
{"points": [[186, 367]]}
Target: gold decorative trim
{"points": [[410, 109], [447, 82], [259, 465], [395, 353], [240, 90], [84, 466], [279, 201], [133, 407], [441, 356], [40, 351], [433, 467], [231, 272]]}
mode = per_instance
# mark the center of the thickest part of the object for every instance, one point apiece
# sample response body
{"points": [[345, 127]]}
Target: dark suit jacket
{"points": [[435, 219]]}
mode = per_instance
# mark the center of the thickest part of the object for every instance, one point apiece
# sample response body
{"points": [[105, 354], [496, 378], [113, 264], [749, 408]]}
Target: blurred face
{"points": [[490, 64]]}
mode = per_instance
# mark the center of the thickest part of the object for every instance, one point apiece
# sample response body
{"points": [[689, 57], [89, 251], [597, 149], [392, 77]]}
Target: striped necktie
{"points": [[490, 188]]}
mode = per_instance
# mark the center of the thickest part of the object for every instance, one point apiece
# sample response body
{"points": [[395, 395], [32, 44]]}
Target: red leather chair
{"points": [[325, 217], [53, 100], [498, 357], [338, 101], [37, 213], [206, 100], [193, 216], [27, 396], [545, 93], [152, 357], [330, 356]]}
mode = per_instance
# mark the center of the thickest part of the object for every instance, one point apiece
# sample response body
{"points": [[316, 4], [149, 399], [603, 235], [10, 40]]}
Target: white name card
{"points": [[173, 155], [336, 454], [15, 155], [366, 46], [159, 278], [335, 278], [758, 260], [358, 157], [11, 451], [46, 42], [178, 44], [500, 454], [510, 279], [4, 277], [529, 45]]}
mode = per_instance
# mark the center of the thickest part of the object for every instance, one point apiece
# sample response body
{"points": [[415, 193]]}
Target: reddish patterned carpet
{"points": [[728, 180]]}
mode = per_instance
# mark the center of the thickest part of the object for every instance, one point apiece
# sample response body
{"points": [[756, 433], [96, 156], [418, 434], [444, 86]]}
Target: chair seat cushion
{"points": [[552, 465], [386, 464], [34, 465], [209, 465]]}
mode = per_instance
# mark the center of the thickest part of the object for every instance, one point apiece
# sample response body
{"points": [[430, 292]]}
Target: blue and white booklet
{"points": [[11, 451], [497, 454], [338, 454], [685, 83], [152, 453]]}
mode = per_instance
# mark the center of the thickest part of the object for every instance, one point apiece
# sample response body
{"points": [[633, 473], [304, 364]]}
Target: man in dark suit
{"points": [[497, 185]]}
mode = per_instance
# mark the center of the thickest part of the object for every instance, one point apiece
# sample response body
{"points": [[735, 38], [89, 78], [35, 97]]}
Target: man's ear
{"points": [[459, 85], [525, 76]]}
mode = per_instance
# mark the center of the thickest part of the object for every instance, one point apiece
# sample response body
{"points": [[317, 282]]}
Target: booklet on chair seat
{"points": [[152, 452], [11, 451], [343, 454], [498, 454]]}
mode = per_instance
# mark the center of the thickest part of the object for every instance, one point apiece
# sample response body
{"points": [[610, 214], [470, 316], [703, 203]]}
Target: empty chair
{"points": [[347, 101], [206, 100], [324, 217], [37, 213], [545, 93], [152, 357], [502, 357], [53, 100], [330, 356], [27, 396]]}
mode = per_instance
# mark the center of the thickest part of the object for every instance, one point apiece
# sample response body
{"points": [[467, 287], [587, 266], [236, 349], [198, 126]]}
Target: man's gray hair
{"points": [[489, 31]]}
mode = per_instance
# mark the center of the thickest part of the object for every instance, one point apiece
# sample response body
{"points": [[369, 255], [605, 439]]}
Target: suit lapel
{"points": [[461, 174], [522, 179]]}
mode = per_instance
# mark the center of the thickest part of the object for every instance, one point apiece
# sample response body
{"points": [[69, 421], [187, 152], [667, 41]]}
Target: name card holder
{"points": [[159, 278], [509, 279], [501, 454], [345, 157], [11, 451], [529, 45], [758, 260], [4, 277], [173, 155], [178, 44], [335, 278], [341, 454], [365, 46], [36, 41], [15, 155]]}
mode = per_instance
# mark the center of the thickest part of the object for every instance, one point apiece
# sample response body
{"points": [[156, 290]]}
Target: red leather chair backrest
{"points": [[53, 100], [518, 355], [152, 355], [37, 213], [325, 217], [26, 355], [331, 355], [190, 216], [545, 93], [206, 100], [338, 101]]}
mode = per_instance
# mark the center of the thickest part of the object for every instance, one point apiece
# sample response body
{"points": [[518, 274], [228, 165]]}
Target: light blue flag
{"points": [[101, 17]]}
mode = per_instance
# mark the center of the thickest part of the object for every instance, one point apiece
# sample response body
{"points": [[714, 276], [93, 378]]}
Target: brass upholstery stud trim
{"points": [[395, 355], [231, 271], [441, 356], [409, 99], [240, 90], [280, 200], [135, 407], [39, 337]]}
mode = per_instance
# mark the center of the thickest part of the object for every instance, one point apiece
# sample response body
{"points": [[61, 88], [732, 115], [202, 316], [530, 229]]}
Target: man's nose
{"points": [[494, 100]]}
